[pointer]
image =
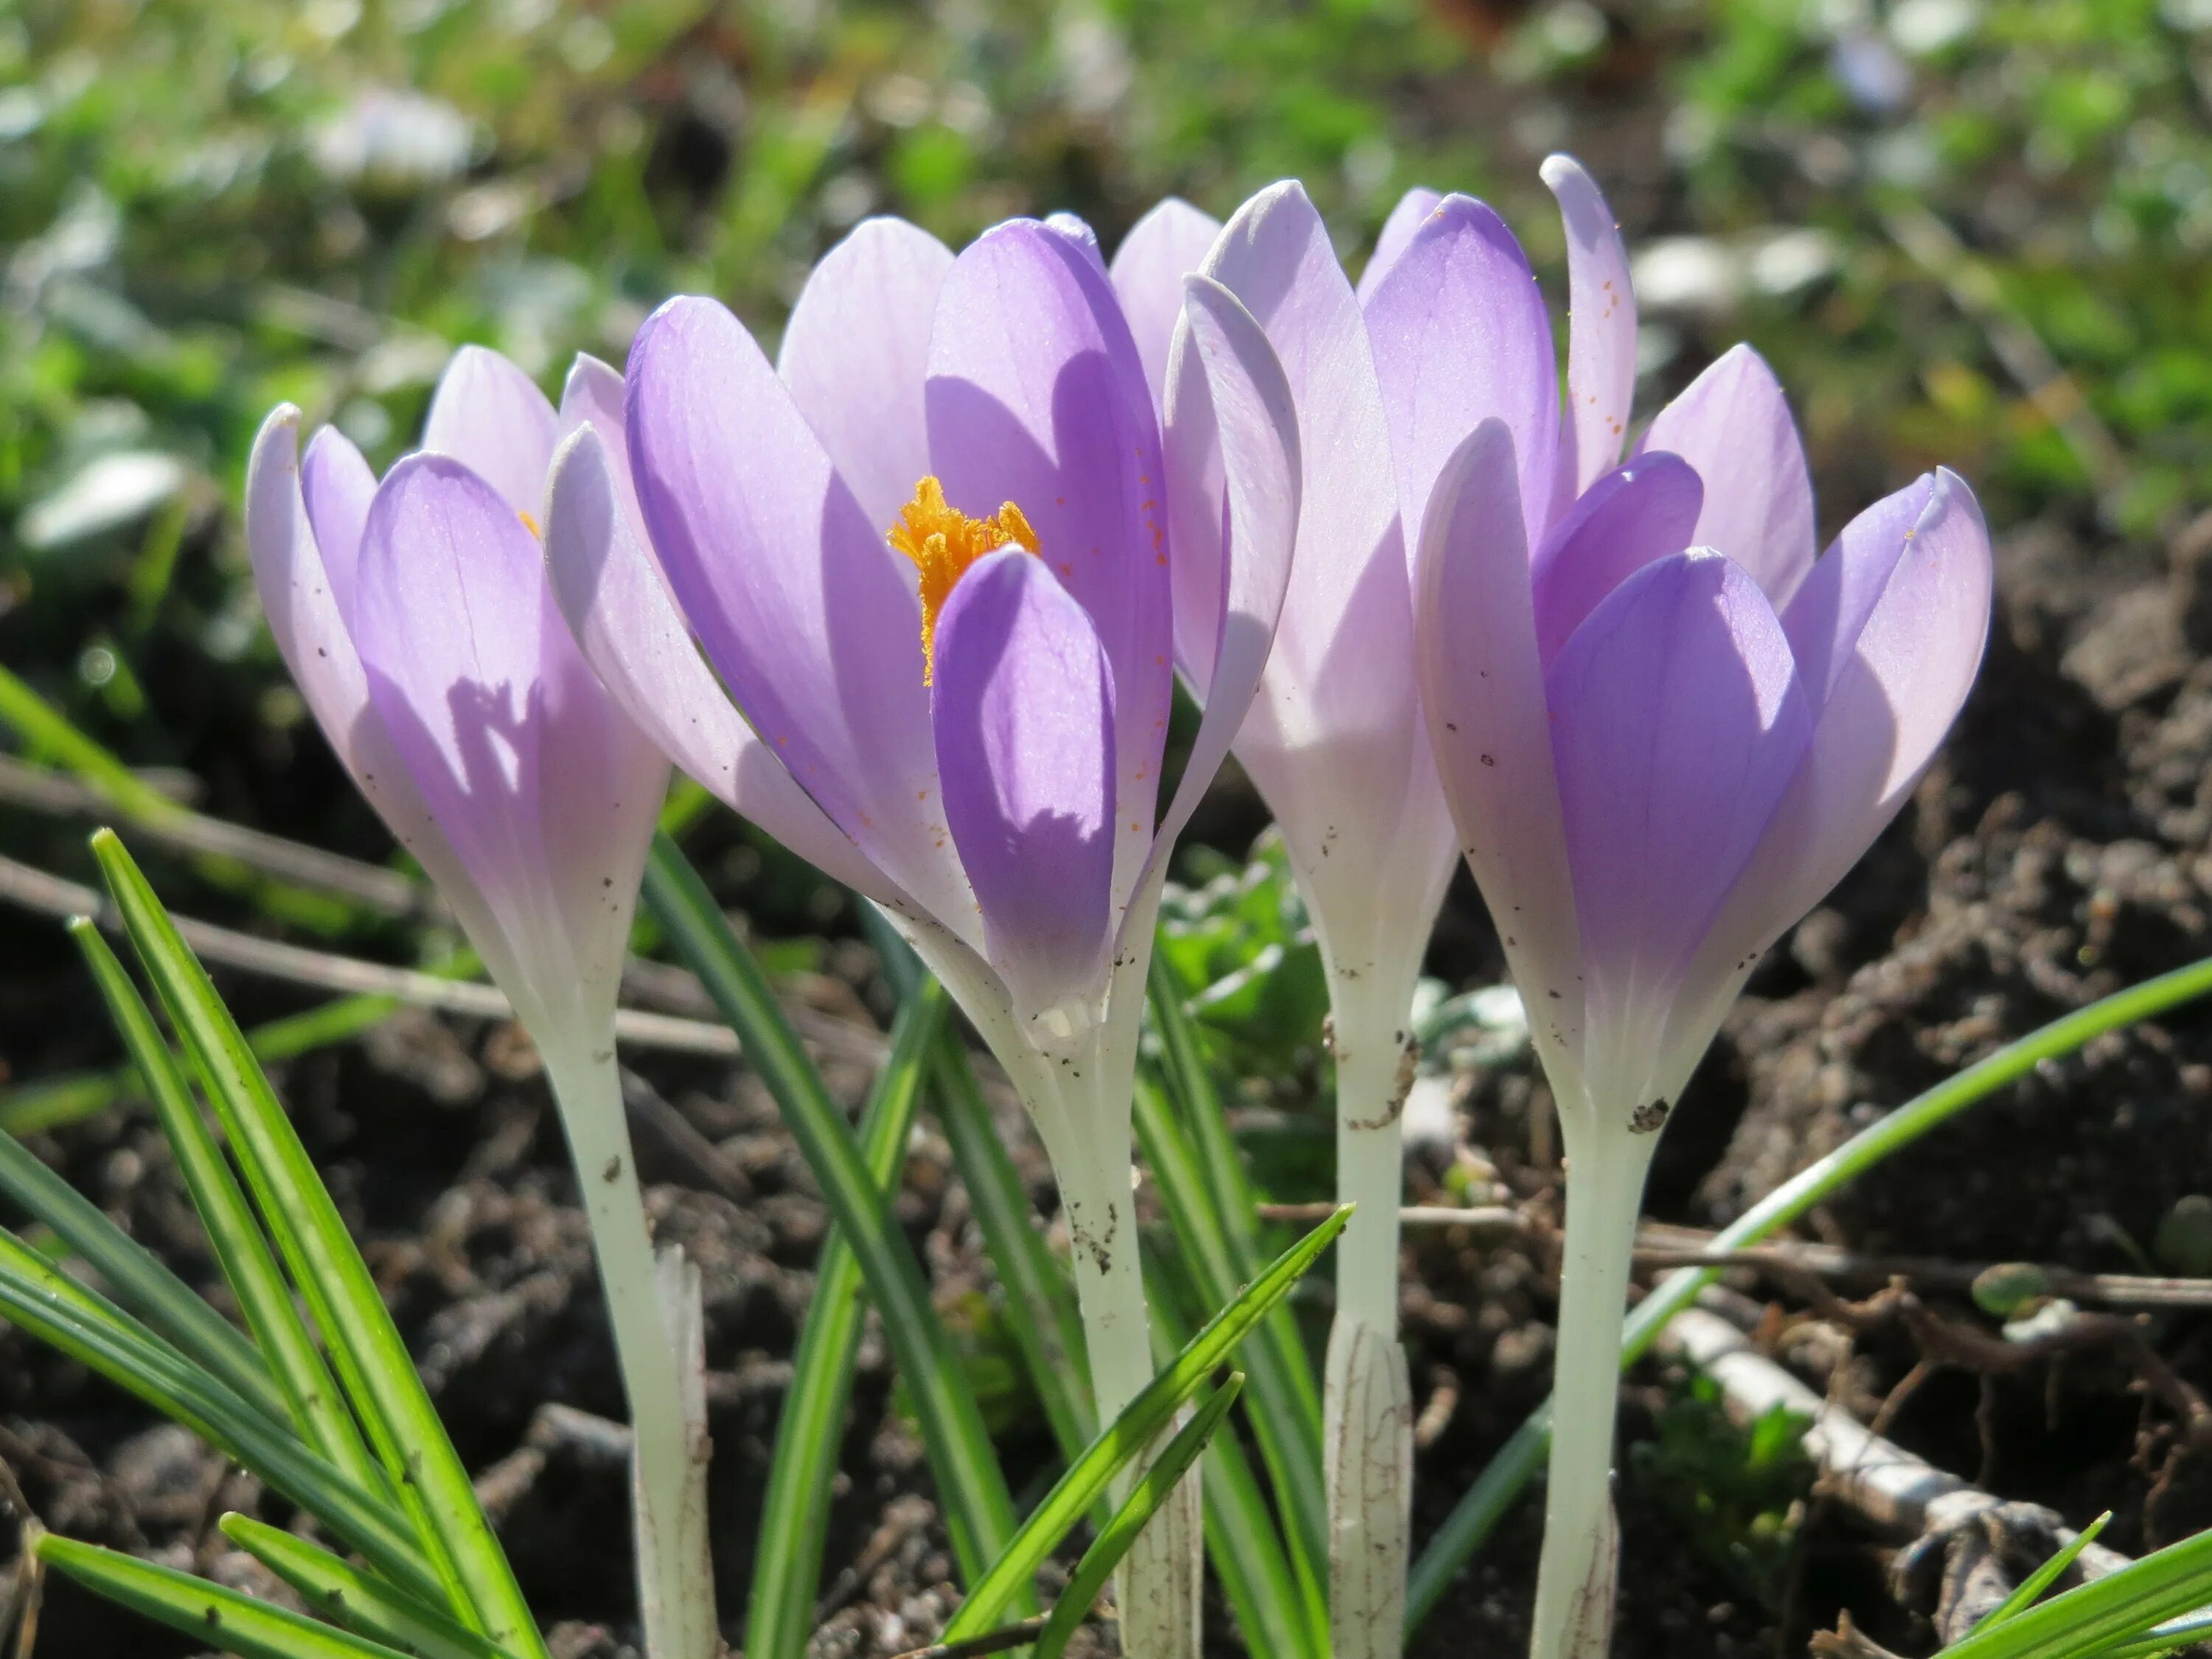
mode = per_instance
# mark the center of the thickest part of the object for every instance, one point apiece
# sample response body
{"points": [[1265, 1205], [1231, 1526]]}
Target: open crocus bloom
{"points": [[1664, 728], [417, 619], [928, 556]]}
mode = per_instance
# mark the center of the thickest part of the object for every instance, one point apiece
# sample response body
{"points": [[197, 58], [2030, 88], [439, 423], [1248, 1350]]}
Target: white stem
{"points": [[672, 1534], [1575, 1577], [1157, 1589], [1367, 1405]]}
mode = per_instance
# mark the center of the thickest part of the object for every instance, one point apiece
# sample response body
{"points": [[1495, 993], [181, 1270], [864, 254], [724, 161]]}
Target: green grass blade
{"points": [[1283, 1411], [2032, 1586], [140, 1284], [1152, 1489], [1191, 1083], [207, 1613], [1515, 1463], [979, 1513], [371, 1358], [2170, 1637], [311, 1396], [1241, 1536], [1127, 1437], [1040, 1307], [47, 733], [46, 1303], [809, 1433], [2120, 1608], [359, 1601]]}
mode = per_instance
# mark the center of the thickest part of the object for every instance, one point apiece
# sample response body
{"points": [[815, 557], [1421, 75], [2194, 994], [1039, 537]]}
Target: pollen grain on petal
{"points": [[943, 542]]}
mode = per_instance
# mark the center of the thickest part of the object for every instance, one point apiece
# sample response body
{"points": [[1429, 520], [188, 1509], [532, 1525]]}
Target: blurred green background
{"points": [[1974, 231]]}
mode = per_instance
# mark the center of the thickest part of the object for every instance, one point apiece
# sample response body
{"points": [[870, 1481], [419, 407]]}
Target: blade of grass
{"points": [[359, 1601], [249, 1266], [46, 1303], [1153, 1488], [1241, 1535], [1514, 1464], [1040, 1306], [1127, 1437], [1284, 1416], [371, 1358], [140, 1284], [809, 1432], [206, 1613], [2170, 1637], [978, 1511], [46, 731], [2121, 1606], [2042, 1579]]}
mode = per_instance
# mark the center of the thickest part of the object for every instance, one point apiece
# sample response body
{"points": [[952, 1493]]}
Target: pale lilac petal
{"points": [[1482, 692], [1601, 332], [626, 625], [1238, 419], [545, 793], [337, 486], [1677, 724], [1838, 598], [1023, 708], [490, 416], [1626, 519], [854, 353], [1035, 397], [1886, 698], [1078, 230], [1415, 205], [1161, 249], [1461, 335], [799, 606], [1733, 424]]}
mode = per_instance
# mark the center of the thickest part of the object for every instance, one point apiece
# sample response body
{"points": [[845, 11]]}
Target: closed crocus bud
{"points": [[1664, 728], [416, 619], [927, 554]]}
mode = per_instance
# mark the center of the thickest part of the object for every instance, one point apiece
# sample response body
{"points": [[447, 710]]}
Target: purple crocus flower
{"points": [[928, 554], [417, 619], [1664, 727]]}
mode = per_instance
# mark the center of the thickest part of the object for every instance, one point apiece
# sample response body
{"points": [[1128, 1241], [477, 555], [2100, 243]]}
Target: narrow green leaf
{"points": [[53, 1307], [360, 1602], [141, 1283], [1153, 1488], [1514, 1464], [47, 732], [207, 1613], [2042, 1579], [809, 1432], [311, 1397], [2121, 1606], [2169, 1637], [979, 1513], [1283, 1410], [1129, 1434], [327, 1270]]}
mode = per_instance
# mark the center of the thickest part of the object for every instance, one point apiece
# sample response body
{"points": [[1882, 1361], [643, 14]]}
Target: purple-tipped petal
{"points": [[1023, 714], [1161, 249], [1035, 397], [1628, 518], [1677, 724], [1601, 331], [545, 793], [1461, 335], [854, 354], [1224, 370], [1482, 694], [626, 625], [337, 486], [1415, 205], [799, 604], [1733, 424], [491, 416]]}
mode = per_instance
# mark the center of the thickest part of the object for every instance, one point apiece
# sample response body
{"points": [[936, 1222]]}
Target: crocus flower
{"points": [[928, 554], [1664, 727], [416, 620], [1333, 742]]}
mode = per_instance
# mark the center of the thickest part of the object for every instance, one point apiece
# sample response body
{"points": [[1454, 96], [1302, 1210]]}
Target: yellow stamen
{"points": [[530, 524], [943, 542]]}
